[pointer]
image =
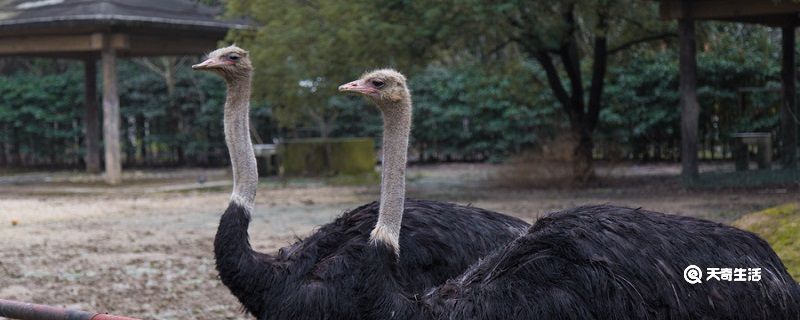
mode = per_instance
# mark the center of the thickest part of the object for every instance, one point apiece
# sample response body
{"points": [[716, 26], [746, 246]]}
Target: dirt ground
{"points": [[145, 249]]}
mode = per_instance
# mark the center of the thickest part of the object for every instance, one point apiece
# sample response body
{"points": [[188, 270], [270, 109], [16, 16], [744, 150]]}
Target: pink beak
{"points": [[208, 64], [357, 86]]}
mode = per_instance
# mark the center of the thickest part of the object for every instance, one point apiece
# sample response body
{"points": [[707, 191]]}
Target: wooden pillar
{"points": [[789, 108], [92, 138], [690, 108], [111, 114]]}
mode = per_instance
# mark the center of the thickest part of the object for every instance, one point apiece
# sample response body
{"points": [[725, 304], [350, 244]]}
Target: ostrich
{"points": [[593, 262], [317, 277]]}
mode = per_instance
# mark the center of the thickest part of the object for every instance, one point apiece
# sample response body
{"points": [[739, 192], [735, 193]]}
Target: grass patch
{"points": [[780, 226]]}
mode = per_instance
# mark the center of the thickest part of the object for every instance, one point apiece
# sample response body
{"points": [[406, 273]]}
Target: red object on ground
{"points": [[29, 311]]}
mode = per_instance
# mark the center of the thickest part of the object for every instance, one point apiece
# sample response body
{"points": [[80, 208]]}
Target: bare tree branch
{"points": [[147, 63], [626, 45], [501, 46], [572, 64], [554, 80], [599, 66]]}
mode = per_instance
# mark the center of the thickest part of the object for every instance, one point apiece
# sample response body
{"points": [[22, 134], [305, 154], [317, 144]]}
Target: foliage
{"points": [[475, 114], [41, 116], [643, 100], [468, 113], [643, 94], [38, 117], [480, 87], [306, 48]]}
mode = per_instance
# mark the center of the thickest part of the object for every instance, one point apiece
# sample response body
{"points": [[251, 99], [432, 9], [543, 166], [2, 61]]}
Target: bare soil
{"points": [[145, 249]]}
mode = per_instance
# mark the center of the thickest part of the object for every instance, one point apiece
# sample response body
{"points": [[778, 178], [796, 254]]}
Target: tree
{"points": [[572, 41], [317, 42], [305, 49], [574, 32]]}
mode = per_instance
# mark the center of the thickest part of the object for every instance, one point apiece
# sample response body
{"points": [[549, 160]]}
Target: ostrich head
{"points": [[385, 87], [229, 62]]}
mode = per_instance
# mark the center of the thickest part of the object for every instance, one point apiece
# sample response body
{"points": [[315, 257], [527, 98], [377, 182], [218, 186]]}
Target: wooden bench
{"points": [[741, 152], [269, 154]]}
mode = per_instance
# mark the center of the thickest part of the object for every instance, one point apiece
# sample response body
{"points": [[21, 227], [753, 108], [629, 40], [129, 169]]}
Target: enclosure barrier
{"points": [[29, 311]]}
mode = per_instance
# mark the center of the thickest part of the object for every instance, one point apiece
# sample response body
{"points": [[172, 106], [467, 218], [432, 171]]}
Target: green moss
{"points": [[780, 226], [349, 157]]}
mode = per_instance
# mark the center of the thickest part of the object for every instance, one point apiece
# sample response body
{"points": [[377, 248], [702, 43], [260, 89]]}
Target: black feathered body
{"points": [[321, 276], [604, 262]]}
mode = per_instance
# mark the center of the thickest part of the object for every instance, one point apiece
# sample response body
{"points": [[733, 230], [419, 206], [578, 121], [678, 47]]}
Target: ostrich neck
{"points": [[238, 264], [237, 137], [396, 130]]}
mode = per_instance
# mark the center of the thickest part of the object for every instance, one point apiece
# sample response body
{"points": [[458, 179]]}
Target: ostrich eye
{"points": [[233, 57], [378, 83]]}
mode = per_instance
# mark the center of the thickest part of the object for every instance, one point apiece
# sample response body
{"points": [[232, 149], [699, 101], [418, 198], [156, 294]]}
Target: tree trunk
{"points": [[582, 162], [5, 159], [789, 106], [141, 148], [91, 127], [14, 151], [690, 108]]}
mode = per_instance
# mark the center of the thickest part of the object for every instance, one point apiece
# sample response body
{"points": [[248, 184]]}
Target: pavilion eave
{"points": [[95, 22], [769, 13], [127, 42]]}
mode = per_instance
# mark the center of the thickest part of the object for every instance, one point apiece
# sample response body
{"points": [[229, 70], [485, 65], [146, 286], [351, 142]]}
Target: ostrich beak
{"points": [[358, 86], [205, 65]]}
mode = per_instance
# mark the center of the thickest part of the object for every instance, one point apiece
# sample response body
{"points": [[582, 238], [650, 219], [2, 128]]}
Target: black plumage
{"points": [[320, 276], [599, 262]]}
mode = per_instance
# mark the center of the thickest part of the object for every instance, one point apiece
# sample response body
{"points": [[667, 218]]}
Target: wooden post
{"points": [[111, 114], [690, 108], [92, 138], [741, 155], [789, 108]]}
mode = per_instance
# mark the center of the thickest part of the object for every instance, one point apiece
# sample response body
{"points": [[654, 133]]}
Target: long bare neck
{"points": [[237, 137], [238, 264], [396, 130]]}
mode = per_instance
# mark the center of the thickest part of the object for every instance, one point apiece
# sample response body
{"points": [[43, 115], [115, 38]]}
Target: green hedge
{"points": [[347, 156]]}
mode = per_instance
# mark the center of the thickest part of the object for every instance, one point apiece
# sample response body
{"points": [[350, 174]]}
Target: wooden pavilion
{"points": [[784, 14], [92, 30]]}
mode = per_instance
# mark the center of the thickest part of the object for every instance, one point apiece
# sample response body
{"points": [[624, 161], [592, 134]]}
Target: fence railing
{"points": [[30, 311]]}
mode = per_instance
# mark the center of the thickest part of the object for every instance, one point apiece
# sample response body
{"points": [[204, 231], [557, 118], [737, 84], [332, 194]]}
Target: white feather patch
{"points": [[387, 236], [248, 205]]}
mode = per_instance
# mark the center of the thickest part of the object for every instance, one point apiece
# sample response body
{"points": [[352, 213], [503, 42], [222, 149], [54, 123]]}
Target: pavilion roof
{"points": [[767, 12], [78, 28], [59, 16]]}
